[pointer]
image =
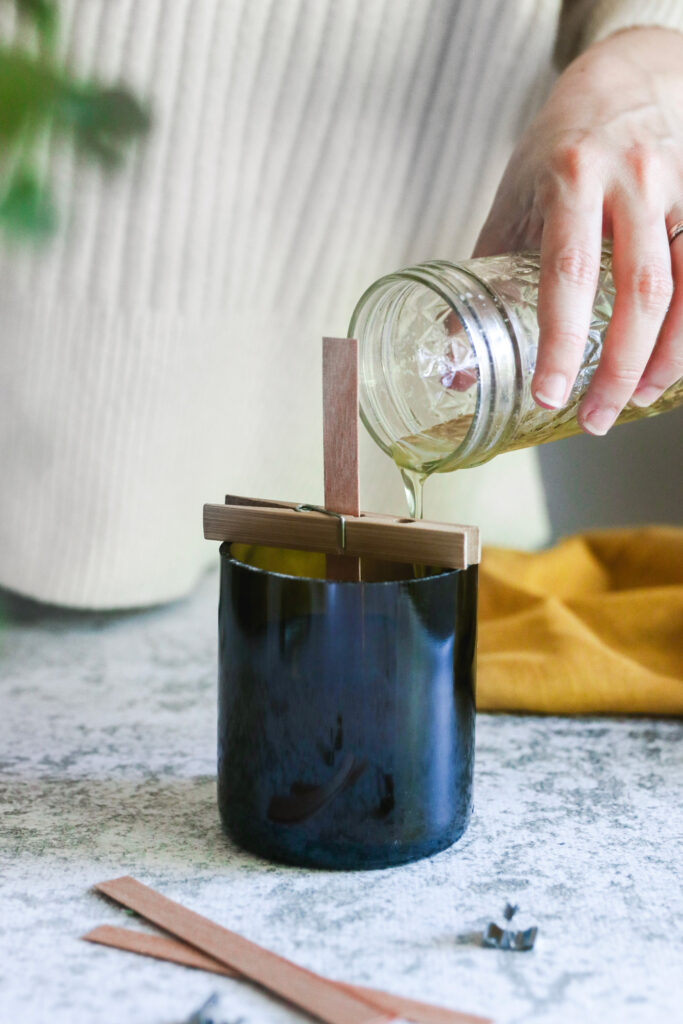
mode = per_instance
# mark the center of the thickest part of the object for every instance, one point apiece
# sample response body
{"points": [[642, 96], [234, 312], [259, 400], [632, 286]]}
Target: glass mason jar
{"points": [[447, 353]]}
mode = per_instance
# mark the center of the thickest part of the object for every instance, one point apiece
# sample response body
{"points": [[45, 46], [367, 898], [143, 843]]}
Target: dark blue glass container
{"points": [[346, 710]]}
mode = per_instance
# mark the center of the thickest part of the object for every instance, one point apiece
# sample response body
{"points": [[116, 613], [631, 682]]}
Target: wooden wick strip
{"points": [[414, 1009], [310, 992], [340, 425], [159, 946], [164, 948], [340, 441]]}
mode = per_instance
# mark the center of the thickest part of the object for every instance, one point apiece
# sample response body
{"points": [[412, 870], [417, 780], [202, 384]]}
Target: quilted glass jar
{"points": [[447, 355]]}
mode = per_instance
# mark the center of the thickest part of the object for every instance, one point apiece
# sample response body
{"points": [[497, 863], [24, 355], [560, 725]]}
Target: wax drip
{"points": [[413, 483]]}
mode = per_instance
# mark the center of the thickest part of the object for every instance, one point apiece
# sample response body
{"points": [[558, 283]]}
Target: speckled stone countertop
{"points": [[107, 745]]}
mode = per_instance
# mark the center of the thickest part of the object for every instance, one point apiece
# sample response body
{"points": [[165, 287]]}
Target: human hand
{"points": [[603, 158]]}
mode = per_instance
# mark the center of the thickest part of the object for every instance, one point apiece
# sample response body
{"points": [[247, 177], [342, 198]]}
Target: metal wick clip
{"points": [[327, 512]]}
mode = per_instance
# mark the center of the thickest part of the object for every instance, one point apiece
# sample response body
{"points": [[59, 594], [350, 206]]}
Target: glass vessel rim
{"points": [[225, 552]]}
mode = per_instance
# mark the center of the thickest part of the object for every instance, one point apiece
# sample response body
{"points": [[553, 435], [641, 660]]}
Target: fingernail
{"points": [[600, 419], [645, 396], [551, 390]]}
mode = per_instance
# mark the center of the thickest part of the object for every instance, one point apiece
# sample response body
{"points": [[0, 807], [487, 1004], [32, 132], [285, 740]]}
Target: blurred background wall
{"points": [[633, 475]]}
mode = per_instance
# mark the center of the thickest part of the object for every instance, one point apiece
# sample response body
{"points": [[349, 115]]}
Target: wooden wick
{"points": [[163, 947], [340, 442], [310, 992]]}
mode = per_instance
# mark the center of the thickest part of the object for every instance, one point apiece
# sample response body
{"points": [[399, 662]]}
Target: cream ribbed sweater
{"points": [[165, 347]]}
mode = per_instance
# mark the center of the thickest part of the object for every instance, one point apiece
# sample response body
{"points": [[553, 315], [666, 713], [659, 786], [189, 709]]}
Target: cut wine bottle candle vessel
{"points": [[346, 709], [346, 678]]}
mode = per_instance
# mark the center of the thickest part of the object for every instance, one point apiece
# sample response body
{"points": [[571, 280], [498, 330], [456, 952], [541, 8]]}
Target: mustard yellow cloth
{"points": [[594, 624]]}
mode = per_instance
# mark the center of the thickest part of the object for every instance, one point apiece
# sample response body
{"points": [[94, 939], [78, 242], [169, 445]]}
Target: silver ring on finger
{"points": [[675, 231]]}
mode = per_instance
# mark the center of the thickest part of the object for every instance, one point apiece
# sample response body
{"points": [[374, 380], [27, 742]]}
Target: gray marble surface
{"points": [[107, 768]]}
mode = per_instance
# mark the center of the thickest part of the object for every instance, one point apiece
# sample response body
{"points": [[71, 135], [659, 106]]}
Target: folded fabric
{"points": [[594, 624]]}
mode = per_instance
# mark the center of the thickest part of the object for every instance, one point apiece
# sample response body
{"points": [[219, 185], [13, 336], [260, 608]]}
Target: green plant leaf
{"points": [[29, 89], [114, 110], [103, 119], [26, 209], [44, 15], [35, 93]]}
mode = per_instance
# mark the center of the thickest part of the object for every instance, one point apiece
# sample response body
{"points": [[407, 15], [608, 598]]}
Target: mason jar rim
{"points": [[428, 274]]}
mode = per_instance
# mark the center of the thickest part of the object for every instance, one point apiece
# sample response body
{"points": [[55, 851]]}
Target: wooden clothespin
{"points": [[340, 530], [283, 525]]}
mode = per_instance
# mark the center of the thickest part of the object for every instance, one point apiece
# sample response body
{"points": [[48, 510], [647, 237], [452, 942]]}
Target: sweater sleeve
{"points": [[583, 22]]}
